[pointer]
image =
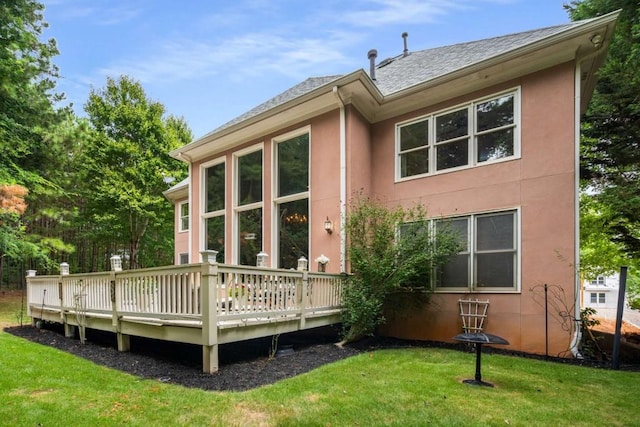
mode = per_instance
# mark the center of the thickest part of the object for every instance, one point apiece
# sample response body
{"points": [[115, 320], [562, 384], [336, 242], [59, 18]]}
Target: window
{"points": [[214, 208], [488, 259], [184, 216], [248, 207], [599, 281], [466, 136], [598, 298], [292, 198], [183, 258]]}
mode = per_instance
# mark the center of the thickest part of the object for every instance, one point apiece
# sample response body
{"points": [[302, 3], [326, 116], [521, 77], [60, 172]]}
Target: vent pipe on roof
{"points": [[372, 55], [405, 52]]}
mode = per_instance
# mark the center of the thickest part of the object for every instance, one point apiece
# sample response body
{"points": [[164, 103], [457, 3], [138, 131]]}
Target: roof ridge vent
{"points": [[405, 52], [372, 55]]}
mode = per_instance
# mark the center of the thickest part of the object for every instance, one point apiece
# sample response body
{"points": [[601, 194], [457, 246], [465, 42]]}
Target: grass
{"points": [[408, 387]]}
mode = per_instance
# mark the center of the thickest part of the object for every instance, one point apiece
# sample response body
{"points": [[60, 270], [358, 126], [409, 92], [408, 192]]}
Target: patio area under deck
{"points": [[207, 304]]}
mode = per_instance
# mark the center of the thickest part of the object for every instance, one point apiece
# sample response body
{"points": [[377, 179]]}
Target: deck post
{"points": [[305, 298], [123, 340], [209, 283]]}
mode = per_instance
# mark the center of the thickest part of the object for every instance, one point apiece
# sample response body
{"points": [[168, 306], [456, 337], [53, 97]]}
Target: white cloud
{"points": [[239, 57], [375, 13]]}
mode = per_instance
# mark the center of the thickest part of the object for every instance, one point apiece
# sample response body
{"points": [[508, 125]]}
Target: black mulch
{"points": [[243, 365]]}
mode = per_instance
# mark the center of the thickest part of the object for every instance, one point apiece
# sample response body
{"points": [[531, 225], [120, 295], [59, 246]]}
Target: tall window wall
{"points": [[292, 198]]}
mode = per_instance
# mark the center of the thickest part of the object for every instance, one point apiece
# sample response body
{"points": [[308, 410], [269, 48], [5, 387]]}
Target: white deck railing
{"points": [[176, 292], [220, 299]]}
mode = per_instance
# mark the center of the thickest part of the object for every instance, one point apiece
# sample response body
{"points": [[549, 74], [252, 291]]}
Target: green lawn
{"points": [[408, 387]]}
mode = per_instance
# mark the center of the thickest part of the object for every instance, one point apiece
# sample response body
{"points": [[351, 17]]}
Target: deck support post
{"points": [[305, 299], [123, 340], [69, 330], [210, 285]]}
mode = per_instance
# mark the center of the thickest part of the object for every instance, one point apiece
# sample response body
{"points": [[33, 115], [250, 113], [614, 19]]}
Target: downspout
{"points": [[343, 180], [577, 336]]}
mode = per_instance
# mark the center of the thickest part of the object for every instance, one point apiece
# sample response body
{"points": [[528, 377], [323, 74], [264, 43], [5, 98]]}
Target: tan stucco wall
{"points": [[541, 183]]}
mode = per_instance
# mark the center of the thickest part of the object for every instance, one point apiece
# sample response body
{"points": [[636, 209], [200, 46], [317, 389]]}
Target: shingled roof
{"points": [[401, 72], [395, 74]]}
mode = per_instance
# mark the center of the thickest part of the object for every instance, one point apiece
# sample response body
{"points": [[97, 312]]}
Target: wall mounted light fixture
{"points": [[328, 226]]}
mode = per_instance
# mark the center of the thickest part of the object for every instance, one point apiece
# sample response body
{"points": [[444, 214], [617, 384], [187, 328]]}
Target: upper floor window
{"points": [[248, 206], [466, 136], [214, 208], [292, 198], [599, 281], [184, 216]]}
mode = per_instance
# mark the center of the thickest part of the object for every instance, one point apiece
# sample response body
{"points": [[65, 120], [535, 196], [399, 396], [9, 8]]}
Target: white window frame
{"points": [[181, 217], [276, 201], [203, 199], [472, 251], [235, 248], [472, 136], [181, 255]]}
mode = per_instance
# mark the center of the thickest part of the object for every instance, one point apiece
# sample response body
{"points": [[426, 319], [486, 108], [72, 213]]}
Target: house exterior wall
{"points": [[540, 184], [606, 287]]}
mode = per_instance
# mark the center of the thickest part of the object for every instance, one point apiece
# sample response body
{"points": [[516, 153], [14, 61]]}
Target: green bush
{"points": [[391, 250]]}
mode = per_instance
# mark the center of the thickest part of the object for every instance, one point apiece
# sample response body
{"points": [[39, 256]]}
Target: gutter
{"points": [[343, 179]]}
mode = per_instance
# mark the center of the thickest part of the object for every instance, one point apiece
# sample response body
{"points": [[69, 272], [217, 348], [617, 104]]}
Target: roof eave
{"points": [[603, 25], [316, 101]]}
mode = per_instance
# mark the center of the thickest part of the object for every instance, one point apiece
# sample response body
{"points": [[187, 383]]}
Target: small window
{"points": [[184, 259], [184, 216]]}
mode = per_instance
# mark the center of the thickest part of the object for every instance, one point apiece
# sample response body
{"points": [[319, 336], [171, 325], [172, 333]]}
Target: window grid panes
{"points": [[490, 124], [248, 207], [214, 209], [184, 216], [489, 257], [292, 200]]}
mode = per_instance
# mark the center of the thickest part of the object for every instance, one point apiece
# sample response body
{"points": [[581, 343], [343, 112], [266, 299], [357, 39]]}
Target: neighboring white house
{"points": [[601, 292]]}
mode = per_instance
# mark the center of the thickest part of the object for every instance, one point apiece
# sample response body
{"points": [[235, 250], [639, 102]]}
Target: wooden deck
{"points": [[206, 304]]}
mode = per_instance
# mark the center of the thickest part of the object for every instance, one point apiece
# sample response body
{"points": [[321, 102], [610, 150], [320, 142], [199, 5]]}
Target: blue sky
{"points": [[211, 60]]}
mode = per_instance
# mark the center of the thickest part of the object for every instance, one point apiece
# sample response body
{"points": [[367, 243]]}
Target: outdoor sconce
{"points": [[302, 264], [64, 269], [261, 260], [116, 263], [328, 226]]}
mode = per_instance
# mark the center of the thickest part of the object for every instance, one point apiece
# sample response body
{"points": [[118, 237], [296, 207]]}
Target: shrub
{"points": [[390, 250]]}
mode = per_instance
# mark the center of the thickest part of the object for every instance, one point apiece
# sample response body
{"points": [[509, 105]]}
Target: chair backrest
{"points": [[473, 313]]}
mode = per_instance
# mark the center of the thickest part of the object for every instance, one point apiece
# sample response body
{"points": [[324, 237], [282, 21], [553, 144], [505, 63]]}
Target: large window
{"points": [[466, 136], [488, 259], [292, 198], [214, 208], [184, 216], [248, 206]]}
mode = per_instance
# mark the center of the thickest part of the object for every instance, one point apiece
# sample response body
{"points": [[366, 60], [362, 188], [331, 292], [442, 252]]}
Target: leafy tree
{"points": [[27, 78], [610, 151], [390, 250], [127, 164]]}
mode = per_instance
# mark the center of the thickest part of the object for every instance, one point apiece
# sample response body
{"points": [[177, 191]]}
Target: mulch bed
{"points": [[243, 365]]}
